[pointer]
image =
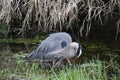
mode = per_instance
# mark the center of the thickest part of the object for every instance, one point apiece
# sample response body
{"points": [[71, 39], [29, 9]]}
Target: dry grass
{"points": [[57, 14]]}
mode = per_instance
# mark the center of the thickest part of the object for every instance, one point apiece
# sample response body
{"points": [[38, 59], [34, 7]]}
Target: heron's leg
{"points": [[59, 61], [53, 62], [75, 59], [68, 60]]}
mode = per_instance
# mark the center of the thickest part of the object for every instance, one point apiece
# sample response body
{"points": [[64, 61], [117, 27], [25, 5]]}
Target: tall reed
{"points": [[57, 14]]}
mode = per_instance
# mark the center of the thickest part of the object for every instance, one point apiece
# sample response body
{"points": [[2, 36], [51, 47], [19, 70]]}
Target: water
{"points": [[91, 49]]}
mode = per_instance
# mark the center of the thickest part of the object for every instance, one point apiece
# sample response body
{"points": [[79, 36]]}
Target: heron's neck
{"points": [[78, 50]]}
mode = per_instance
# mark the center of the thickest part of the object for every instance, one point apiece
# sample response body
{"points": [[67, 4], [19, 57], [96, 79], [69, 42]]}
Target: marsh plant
{"points": [[57, 14], [94, 69]]}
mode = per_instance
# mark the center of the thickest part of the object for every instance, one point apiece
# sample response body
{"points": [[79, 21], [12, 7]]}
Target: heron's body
{"points": [[52, 43], [65, 53], [56, 47]]}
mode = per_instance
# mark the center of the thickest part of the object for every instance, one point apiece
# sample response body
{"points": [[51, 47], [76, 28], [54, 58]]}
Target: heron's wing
{"points": [[52, 43], [56, 54]]}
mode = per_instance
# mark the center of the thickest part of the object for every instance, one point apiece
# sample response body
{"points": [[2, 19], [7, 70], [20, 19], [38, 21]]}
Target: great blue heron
{"points": [[55, 43], [75, 49]]}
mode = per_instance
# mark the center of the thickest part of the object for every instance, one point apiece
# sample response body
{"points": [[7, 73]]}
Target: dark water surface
{"points": [[104, 50]]}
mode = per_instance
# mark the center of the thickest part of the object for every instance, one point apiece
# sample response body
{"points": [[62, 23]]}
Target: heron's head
{"points": [[77, 47]]}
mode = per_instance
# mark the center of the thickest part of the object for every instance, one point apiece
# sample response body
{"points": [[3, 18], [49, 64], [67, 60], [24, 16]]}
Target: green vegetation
{"points": [[22, 40], [94, 69]]}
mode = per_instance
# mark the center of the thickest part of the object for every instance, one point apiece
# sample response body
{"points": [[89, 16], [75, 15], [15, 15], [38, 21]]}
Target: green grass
{"points": [[95, 69], [22, 40]]}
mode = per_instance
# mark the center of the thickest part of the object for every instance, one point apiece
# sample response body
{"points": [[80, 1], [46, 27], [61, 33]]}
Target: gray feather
{"points": [[52, 43]]}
